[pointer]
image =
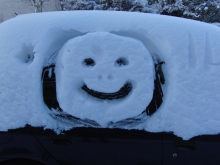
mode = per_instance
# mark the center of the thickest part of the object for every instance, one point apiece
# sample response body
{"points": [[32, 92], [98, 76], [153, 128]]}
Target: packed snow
{"points": [[189, 50], [106, 74]]}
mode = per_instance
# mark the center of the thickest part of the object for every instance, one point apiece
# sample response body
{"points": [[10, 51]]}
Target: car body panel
{"points": [[23, 145], [84, 146], [203, 150]]}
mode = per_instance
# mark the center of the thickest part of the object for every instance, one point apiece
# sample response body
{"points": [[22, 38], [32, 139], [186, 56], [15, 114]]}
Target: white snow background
{"points": [[190, 50]]}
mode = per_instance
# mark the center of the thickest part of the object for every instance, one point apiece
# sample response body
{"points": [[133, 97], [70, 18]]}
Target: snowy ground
{"points": [[124, 48], [216, 23]]}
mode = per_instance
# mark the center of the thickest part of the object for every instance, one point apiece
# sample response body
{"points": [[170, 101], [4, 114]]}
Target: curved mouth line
{"points": [[121, 93]]}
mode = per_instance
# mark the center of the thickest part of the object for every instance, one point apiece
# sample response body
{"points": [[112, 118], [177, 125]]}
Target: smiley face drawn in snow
{"points": [[104, 77]]}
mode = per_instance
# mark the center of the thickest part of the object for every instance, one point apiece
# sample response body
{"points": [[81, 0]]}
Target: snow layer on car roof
{"points": [[190, 50]]}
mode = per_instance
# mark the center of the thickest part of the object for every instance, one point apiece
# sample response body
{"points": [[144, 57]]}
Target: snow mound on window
{"points": [[114, 62]]}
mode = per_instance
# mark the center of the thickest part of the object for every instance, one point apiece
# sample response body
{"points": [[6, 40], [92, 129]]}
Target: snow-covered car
{"points": [[102, 87]]}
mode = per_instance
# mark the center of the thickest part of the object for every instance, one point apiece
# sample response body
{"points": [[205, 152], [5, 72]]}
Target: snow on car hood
{"points": [[189, 50]]}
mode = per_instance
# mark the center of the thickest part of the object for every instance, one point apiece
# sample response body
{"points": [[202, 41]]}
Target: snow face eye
{"points": [[121, 62], [89, 62]]}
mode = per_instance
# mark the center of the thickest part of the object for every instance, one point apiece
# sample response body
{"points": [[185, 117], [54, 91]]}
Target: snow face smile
{"points": [[104, 77], [123, 92]]}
